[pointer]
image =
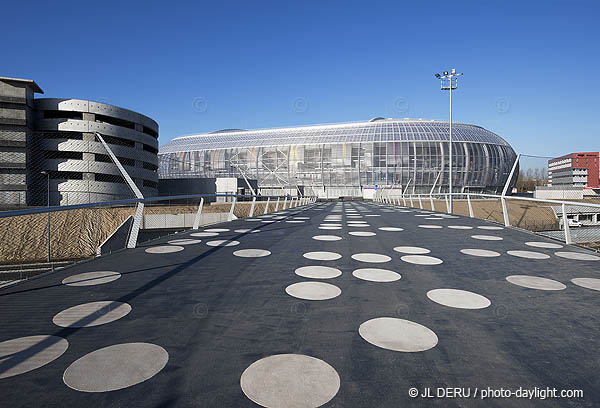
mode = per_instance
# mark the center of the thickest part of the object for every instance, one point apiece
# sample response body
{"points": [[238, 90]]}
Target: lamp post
{"points": [[449, 81], [48, 204]]}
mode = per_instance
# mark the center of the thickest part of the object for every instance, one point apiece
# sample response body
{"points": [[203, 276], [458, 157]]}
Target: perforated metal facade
{"points": [[64, 145]]}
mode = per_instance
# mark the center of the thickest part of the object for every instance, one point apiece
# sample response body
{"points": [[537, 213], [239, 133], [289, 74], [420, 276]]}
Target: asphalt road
{"points": [[213, 314]]}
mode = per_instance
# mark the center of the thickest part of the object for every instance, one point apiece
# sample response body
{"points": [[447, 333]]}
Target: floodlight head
{"points": [[445, 72], [453, 70], [437, 76]]}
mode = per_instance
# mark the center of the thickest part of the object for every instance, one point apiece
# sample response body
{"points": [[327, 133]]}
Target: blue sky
{"points": [[529, 66]]}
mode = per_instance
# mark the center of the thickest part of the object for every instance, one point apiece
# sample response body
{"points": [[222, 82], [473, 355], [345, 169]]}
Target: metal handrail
{"points": [[43, 210], [509, 197]]}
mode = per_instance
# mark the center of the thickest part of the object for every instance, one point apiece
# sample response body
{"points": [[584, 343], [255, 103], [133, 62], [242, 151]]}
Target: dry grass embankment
{"points": [[75, 234]]}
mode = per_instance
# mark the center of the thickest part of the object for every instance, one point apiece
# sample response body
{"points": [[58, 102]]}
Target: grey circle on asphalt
{"points": [[398, 334], [327, 237], [535, 282], [25, 354], [372, 215], [185, 241], [480, 252], [92, 314], [421, 260], [164, 249], [222, 243], [252, 253], [313, 290], [330, 228], [577, 256], [391, 229], [330, 225], [430, 226], [487, 237], [589, 283], [318, 272], [461, 227], [216, 230], [490, 228], [358, 225], [460, 299], [116, 367], [290, 380], [541, 244], [412, 250], [91, 278], [376, 275], [204, 234], [372, 258], [362, 233], [322, 256], [253, 219], [528, 254], [247, 230]]}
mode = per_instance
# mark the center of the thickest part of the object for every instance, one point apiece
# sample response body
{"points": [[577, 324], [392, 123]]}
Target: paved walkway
{"points": [[337, 304]]}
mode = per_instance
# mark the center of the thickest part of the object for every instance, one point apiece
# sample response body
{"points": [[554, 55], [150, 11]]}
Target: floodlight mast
{"points": [[449, 81]]}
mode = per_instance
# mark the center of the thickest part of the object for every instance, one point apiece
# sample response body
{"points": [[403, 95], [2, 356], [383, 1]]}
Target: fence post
{"points": [[285, 202], [252, 206], [411, 202], [404, 199], [447, 204], [566, 226], [420, 202], [277, 205], [135, 227], [198, 215], [505, 212], [230, 217], [471, 213], [432, 204], [267, 205]]}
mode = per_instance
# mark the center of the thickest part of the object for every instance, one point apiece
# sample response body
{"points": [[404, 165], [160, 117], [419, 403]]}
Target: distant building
{"points": [[574, 170], [57, 137]]}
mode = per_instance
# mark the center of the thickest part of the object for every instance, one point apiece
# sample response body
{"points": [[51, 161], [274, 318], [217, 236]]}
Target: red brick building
{"points": [[574, 170]]}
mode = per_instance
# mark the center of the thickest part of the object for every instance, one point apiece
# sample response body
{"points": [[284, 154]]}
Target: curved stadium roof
{"points": [[375, 130]]}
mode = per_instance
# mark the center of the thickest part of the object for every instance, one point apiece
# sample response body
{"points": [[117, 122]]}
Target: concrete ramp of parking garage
{"points": [[337, 304]]}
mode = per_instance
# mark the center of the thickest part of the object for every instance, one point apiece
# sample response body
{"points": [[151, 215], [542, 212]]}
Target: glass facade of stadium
{"points": [[343, 159]]}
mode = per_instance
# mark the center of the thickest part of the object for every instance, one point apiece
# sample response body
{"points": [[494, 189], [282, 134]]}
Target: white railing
{"points": [[417, 200]]}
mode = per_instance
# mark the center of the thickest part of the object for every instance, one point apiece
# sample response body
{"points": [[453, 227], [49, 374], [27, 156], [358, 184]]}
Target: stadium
{"points": [[347, 159]]}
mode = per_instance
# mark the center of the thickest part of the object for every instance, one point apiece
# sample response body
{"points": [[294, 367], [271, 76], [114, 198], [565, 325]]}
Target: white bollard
{"points": [[198, 215], [230, 217], [252, 207]]}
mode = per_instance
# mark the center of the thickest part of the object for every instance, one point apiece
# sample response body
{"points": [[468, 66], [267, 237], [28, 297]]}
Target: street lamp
{"points": [[449, 81], [48, 204]]}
